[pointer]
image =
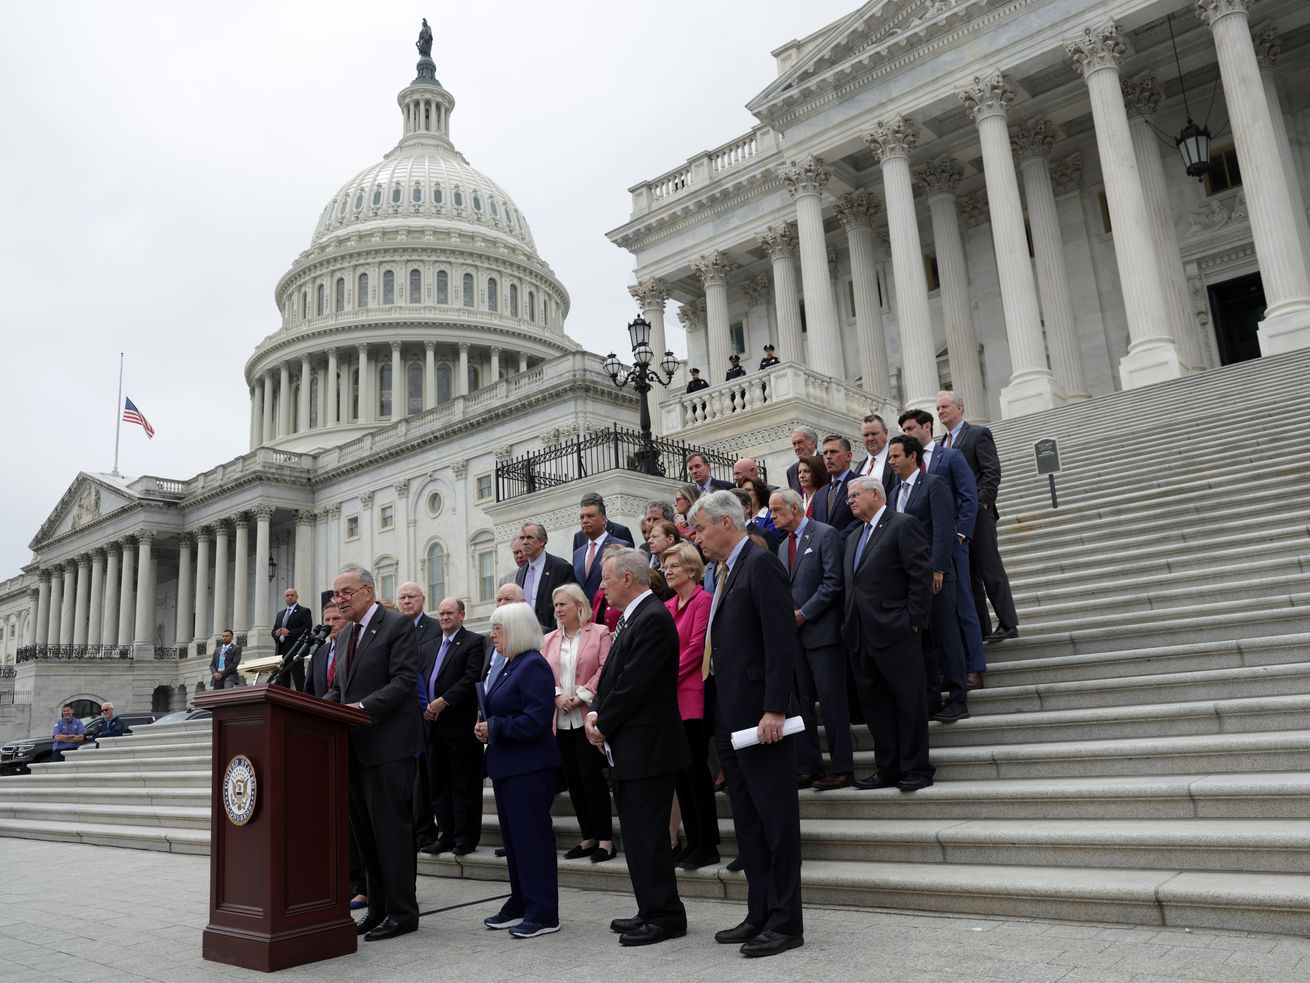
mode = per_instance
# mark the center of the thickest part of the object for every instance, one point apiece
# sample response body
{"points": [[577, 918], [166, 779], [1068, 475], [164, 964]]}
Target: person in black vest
{"points": [[769, 360], [696, 383], [735, 371]]}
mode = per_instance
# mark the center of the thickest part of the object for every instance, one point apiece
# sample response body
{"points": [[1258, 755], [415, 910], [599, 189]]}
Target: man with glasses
{"points": [[377, 671], [110, 723]]}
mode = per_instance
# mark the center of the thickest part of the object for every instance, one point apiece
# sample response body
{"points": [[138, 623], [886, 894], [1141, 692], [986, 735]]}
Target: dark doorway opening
{"points": [[1238, 306], [160, 699]]}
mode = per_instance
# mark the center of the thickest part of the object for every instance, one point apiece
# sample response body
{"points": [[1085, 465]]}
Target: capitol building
{"points": [[1008, 198]]}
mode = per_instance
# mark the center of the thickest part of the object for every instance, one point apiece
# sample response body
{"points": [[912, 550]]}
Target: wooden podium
{"points": [[279, 870]]}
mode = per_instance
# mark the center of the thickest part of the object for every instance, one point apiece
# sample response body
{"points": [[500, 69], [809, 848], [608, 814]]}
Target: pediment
{"points": [[89, 498]]}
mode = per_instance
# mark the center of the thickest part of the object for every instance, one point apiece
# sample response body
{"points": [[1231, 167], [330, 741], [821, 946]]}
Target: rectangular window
{"points": [[387, 516], [486, 575], [352, 527], [850, 295], [387, 586], [1105, 213], [737, 334], [930, 272], [1224, 172], [483, 487]]}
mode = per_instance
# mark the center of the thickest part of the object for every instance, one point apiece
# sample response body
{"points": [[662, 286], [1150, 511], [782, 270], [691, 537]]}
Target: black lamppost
{"points": [[641, 375]]}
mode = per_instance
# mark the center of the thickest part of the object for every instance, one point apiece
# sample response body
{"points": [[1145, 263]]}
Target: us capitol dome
{"points": [[421, 283]]}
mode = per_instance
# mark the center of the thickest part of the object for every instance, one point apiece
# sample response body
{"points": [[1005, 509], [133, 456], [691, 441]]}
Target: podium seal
{"points": [[239, 788]]}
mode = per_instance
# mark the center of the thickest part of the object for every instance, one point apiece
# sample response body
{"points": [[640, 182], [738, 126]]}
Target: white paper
{"points": [[750, 736], [609, 754]]}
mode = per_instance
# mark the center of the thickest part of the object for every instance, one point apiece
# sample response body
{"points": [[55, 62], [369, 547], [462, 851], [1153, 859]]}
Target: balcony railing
{"points": [[617, 449], [72, 653], [8, 672]]}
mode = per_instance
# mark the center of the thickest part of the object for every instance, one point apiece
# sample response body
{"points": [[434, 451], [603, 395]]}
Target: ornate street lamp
{"points": [[1194, 142], [642, 375]]}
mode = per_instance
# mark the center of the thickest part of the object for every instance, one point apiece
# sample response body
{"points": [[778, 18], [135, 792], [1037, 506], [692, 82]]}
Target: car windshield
{"points": [[177, 716]]}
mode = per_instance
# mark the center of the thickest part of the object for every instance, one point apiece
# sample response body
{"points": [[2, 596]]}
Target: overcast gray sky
{"points": [[164, 163]]}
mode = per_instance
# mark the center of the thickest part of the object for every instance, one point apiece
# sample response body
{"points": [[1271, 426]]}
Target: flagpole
{"points": [[118, 415]]}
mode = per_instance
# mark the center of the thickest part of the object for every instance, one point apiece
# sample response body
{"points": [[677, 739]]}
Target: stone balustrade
{"points": [[700, 172]]}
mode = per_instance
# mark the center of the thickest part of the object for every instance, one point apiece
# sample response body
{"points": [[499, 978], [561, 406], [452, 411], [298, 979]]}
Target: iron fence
{"points": [[61, 653]]}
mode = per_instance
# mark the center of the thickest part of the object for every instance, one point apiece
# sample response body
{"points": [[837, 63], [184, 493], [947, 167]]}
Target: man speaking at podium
{"points": [[377, 672]]}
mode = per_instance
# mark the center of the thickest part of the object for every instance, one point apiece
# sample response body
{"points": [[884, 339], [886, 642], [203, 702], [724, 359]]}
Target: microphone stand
{"points": [[304, 648]]}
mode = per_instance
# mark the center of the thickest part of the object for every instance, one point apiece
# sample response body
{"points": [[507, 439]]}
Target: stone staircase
{"points": [[1140, 755]]}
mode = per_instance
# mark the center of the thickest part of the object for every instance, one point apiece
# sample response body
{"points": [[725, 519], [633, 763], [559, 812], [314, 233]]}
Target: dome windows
{"points": [[395, 195], [493, 298], [414, 388], [341, 209], [477, 202], [513, 300], [361, 294], [415, 286], [468, 288], [437, 196], [495, 213], [321, 306], [377, 197], [443, 287], [359, 201], [384, 390], [416, 195], [339, 294], [459, 198], [389, 285], [532, 306]]}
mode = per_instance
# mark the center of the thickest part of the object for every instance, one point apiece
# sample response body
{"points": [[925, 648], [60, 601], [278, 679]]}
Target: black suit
{"points": [[554, 573], [428, 634], [454, 755], [754, 649], [986, 569], [888, 597], [579, 538], [316, 683], [636, 709], [888, 475], [831, 507], [383, 676], [716, 484], [299, 622]]}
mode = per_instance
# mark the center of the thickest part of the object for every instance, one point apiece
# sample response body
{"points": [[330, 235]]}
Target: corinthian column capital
{"points": [[1032, 139], [692, 315], [939, 177], [989, 95], [1142, 96], [1212, 10], [806, 177], [780, 241], [895, 137], [713, 269], [1097, 48], [858, 208], [650, 293], [1268, 46]]}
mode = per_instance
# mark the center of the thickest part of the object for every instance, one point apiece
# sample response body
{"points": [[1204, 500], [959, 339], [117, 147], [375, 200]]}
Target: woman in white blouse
{"points": [[577, 651]]}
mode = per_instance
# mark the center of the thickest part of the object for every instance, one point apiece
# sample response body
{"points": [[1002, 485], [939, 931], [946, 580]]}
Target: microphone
{"points": [[306, 645]]}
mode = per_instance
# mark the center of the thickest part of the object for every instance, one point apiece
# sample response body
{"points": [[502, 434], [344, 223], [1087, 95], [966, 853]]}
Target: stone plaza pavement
{"points": [[138, 915]]}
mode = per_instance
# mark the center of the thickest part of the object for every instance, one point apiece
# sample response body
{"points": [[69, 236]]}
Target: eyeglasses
{"points": [[349, 592]]}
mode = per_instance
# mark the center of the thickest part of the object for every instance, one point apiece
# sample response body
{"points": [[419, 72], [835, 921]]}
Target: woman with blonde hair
{"points": [[577, 651]]}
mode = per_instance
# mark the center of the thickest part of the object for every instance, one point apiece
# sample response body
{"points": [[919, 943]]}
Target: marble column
{"points": [[1141, 99], [1267, 49], [1031, 144], [856, 213], [269, 432], [203, 538], [261, 625], [892, 141], [241, 573], [42, 633], [1032, 386], [284, 414], [805, 181], [68, 604], [1274, 229], [82, 602], [144, 633], [366, 408], [780, 242], [462, 373], [713, 270], [221, 580], [256, 418], [692, 316], [185, 627], [940, 179], [495, 365], [302, 407], [523, 361], [429, 374], [333, 390], [399, 402], [127, 593], [304, 561], [56, 613], [1152, 354], [109, 628], [95, 617], [320, 404], [404, 529], [650, 296]]}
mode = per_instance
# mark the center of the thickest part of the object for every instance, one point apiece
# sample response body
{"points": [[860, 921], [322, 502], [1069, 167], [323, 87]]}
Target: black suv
{"points": [[16, 756]]}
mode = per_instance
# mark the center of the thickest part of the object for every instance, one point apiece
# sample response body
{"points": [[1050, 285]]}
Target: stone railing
{"points": [[72, 653], [704, 169], [263, 459], [756, 392]]}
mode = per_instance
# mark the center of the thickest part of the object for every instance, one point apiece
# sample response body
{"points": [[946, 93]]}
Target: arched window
{"points": [[415, 388], [304, 303], [437, 196], [389, 287], [416, 195], [477, 202], [475, 378], [513, 300], [459, 198], [384, 569], [339, 294], [468, 290], [160, 699], [354, 394], [377, 196], [359, 201], [313, 400], [384, 390], [436, 571], [545, 310], [322, 298], [443, 287], [361, 293], [443, 383], [395, 195], [415, 287], [493, 298], [532, 306]]}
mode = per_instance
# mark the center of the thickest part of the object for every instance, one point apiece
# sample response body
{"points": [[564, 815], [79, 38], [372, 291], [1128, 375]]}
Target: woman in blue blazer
{"points": [[522, 757]]}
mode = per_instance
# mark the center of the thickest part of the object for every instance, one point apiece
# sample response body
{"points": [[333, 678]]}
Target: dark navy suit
{"points": [[591, 584], [522, 756], [950, 465], [838, 515]]}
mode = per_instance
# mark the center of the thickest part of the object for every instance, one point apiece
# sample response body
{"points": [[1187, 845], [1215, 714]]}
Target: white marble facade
{"points": [[984, 194]]}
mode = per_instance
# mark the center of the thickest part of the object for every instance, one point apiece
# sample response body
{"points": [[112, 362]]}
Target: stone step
{"points": [[1237, 901], [106, 814], [58, 778], [125, 763], [159, 838], [127, 752], [198, 795]]}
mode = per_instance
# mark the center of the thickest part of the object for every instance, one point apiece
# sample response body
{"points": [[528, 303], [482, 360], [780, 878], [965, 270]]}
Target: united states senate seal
{"points": [[239, 789]]}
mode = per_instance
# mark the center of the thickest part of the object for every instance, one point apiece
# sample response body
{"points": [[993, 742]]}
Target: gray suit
{"points": [[816, 588], [231, 678]]}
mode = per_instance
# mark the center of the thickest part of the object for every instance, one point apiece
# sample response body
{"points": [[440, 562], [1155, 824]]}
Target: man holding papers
{"points": [[751, 652]]}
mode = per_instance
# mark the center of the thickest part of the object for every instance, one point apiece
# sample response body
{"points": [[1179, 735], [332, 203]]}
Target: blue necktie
{"points": [[859, 547], [432, 680]]}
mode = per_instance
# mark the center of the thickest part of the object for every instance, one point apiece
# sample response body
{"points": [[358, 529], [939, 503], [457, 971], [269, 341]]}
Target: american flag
{"points": [[133, 415]]}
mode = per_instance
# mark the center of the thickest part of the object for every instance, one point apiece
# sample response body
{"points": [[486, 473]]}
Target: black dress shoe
{"points": [[368, 923], [875, 780], [500, 851], [389, 928], [973, 681], [462, 851], [914, 783], [437, 846], [720, 786], [622, 925], [951, 712], [600, 854], [649, 933], [680, 850], [695, 859], [770, 943], [742, 933], [580, 851], [1001, 634], [805, 781], [843, 779], [736, 865]]}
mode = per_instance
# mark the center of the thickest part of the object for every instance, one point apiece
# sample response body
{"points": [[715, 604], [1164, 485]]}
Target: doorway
{"points": [[1238, 306]]}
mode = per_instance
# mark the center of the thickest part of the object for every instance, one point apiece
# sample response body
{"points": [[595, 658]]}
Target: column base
{"points": [[1030, 394], [1149, 362], [1284, 332]]}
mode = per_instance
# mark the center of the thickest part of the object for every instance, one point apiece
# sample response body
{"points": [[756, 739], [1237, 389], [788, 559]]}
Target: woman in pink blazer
{"points": [[690, 606], [577, 651]]}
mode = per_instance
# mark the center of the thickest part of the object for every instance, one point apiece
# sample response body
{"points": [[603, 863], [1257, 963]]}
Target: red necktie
{"points": [[332, 668], [791, 551], [354, 641], [948, 438], [591, 556]]}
